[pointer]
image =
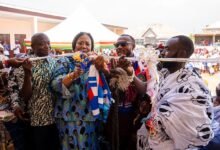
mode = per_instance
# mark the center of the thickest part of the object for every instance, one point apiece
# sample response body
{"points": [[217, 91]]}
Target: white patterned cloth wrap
{"points": [[182, 116]]}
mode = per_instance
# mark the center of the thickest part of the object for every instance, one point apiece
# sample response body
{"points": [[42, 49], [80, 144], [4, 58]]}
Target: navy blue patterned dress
{"points": [[72, 111]]}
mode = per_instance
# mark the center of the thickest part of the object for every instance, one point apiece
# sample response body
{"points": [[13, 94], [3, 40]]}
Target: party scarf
{"points": [[98, 93], [136, 67]]}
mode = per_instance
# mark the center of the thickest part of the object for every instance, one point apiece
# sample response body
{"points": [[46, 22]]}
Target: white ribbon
{"points": [[150, 58], [147, 56]]}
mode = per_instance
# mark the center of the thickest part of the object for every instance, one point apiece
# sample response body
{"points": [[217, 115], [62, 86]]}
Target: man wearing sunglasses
{"points": [[127, 100], [125, 45]]}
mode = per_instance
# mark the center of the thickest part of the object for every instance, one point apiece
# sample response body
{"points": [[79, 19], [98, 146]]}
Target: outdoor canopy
{"points": [[81, 20]]}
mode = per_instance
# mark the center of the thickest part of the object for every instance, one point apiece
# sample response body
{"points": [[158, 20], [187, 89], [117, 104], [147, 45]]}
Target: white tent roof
{"points": [[80, 21]]}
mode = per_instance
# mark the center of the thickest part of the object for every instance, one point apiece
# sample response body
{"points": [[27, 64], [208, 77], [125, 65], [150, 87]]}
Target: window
{"points": [[5, 39]]}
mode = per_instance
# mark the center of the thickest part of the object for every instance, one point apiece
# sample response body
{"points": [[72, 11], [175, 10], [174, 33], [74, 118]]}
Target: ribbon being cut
{"points": [[148, 56], [99, 94]]}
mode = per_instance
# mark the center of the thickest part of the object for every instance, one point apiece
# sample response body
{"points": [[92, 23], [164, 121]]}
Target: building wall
{"points": [[203, 40], [116, 30], [119, 31], [214, 30], [14, 26], [23, 27], [43, 26], [150, 38]]}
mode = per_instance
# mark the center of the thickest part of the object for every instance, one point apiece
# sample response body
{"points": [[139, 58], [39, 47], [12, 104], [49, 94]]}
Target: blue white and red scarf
{"points": [[99, 93]]}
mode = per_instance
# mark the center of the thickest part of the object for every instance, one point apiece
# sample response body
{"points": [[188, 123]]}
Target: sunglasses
{"points": [[123, 44]]}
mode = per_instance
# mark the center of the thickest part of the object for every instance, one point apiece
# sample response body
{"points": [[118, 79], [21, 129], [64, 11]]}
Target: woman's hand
{"points": [[77, 72], [70, 77]]}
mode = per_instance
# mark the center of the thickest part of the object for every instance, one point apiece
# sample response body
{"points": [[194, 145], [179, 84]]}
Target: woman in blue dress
{"points": [[77, 126]]}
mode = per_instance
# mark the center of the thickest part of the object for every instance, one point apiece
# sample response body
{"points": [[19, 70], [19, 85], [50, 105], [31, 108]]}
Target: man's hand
{"points": [[15, 62], [126, 65], [27, 65], [19, 113], [113, 63], [92, 55], [99, 63]]}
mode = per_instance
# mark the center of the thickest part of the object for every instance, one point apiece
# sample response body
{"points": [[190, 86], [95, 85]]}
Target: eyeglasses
{"points": [[123, 44]]}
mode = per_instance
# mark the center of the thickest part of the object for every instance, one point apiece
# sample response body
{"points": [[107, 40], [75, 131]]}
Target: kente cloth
{"points": [[99, 93], [182, 115]]}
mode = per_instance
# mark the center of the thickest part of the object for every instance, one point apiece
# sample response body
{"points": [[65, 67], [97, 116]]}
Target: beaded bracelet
{"points": [[71, 77]]}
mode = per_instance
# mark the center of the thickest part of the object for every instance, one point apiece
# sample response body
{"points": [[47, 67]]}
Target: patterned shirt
{"points": [[4, 102], [10, 86], [16, 80], [15, 83], [41, 106]]}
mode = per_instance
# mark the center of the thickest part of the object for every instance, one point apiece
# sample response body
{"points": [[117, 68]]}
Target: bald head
{"points": [[35, 38], [40, 44], [185, 43]]}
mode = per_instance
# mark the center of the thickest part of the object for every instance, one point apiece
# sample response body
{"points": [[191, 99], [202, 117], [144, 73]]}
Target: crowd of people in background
{"points": [[199, 53], [205, 67], [7, 51], [87, 102]]}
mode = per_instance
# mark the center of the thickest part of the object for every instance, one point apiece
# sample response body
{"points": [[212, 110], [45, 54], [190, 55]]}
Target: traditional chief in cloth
{"points": [[182, 115]]}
